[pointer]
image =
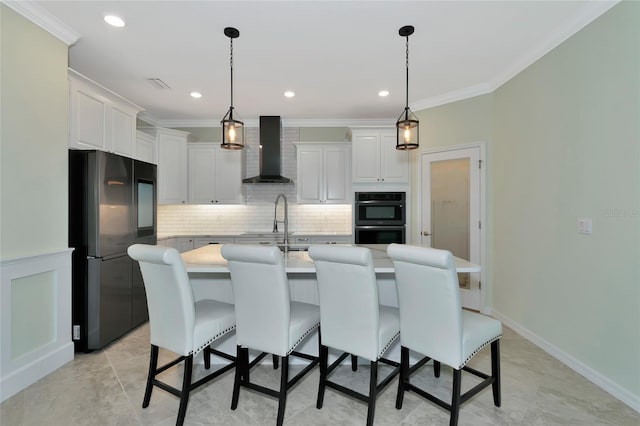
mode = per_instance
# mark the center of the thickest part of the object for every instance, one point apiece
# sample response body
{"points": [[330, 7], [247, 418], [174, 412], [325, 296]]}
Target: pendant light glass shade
{"points": [[232, 125], [232, 131], [407, 130], [407, 124]]}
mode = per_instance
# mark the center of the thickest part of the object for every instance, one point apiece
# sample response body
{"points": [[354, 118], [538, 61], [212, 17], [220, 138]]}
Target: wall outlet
{"points": [[76, 332], [584, 226]]}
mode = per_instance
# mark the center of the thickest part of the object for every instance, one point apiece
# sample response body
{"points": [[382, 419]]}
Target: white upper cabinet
{"points": [[215, 174], [146, 148], [100, 119], [323, 173], [172, 166], [375, 158]]}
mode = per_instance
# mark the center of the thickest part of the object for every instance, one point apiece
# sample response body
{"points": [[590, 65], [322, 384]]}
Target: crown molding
{"points": [[149, 119], [292, 122], [100, 88], [588, 14], [42, 18], [450, 97]]}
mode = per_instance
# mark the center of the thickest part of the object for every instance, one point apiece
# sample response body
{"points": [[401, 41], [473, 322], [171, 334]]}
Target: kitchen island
{"points": [[209, 276], [209, 259]]}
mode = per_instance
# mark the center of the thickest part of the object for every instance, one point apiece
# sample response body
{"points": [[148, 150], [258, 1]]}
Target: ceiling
{"points": [[335, 55]]}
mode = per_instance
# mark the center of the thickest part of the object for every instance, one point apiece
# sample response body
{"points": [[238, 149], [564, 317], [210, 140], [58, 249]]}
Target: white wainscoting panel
{"points": [[35, 319]]}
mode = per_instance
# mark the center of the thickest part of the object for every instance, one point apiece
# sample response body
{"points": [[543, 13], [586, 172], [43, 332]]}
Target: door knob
{"points": [[426, 233]]}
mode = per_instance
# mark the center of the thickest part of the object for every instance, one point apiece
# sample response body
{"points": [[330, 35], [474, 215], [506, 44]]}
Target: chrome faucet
{"points": [[285, 221]]}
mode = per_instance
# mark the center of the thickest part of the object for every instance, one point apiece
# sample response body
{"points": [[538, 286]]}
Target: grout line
{"points": [[126, 396]]}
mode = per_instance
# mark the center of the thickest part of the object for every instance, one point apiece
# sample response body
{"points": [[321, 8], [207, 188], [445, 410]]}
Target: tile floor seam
{"points": [[124, 392]]}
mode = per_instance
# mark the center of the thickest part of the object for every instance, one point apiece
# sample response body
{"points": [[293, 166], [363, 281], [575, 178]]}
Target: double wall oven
{"points": [[379, 217]]}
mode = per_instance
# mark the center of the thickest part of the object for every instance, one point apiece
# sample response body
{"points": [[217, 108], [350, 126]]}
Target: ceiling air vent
{"points": [[158, 84]]}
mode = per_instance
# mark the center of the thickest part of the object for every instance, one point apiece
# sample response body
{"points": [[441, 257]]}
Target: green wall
{"points": [[567, 146], [562, 143], [457, 123], [33, 139]]}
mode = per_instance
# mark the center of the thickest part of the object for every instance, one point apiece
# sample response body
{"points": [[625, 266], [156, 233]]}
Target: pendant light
{"points": [[232, 126], [407, 124]]}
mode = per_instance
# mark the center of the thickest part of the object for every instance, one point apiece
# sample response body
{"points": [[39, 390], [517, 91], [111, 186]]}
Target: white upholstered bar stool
{"points": [[177, 322], [351, 319], [433, 323], [267, 319]]}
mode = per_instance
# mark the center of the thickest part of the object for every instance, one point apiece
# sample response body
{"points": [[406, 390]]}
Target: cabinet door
{"points": [[123, 127], [167, 242], [172, 164], [310, 174], [98, 119], [335, 239], [394, 163], [87, 119], [366, 157], [228, 176], [336, 179], [201, 164], [145, 148], [202, 242], [184, 244]]}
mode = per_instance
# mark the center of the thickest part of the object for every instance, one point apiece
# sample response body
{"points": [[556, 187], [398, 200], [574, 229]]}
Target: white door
{"points": [[451, 211]]}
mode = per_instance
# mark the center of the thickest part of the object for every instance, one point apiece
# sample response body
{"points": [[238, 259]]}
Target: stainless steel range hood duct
{"points": [[270, 154]]}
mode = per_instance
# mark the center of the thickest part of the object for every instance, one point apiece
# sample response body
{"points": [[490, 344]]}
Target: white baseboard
{"points": [[35, 370], [575, 364]]}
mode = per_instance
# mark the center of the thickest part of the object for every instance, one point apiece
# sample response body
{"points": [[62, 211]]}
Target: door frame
{"points": [[481, 145]]}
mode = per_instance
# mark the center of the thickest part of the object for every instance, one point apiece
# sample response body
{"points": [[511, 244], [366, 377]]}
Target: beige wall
{"points": [[33, 139], [567, 146]]}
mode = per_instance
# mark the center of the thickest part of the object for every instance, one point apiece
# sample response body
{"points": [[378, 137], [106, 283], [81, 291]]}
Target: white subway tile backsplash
{"points": [[258, 212], [236, 219]]}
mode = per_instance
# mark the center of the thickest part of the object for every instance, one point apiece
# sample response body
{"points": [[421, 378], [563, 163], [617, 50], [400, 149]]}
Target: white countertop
{"points": [[209, 259], [241, 234]]}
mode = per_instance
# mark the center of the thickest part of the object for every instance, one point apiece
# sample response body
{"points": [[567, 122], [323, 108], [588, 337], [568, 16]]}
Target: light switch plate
{"points": [[585, 226]]}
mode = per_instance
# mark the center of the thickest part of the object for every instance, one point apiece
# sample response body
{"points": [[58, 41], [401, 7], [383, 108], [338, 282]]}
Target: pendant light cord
{"points": [[231, 66], [407, 62]]}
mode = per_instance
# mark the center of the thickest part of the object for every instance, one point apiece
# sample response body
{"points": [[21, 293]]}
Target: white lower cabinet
{"points": [[183, 244], [331, 239], [304, 241], [324, 173], [215, 174], [205, 241], [167, 242], [259, 239]]}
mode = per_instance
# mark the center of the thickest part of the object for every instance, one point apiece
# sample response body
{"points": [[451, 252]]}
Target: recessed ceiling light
{"points": [[289, 94], [114, 20], [196, 95], [383, 93]]}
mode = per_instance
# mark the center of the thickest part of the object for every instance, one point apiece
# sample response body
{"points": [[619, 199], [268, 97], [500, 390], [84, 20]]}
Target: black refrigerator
{"points": [[112, 205]]}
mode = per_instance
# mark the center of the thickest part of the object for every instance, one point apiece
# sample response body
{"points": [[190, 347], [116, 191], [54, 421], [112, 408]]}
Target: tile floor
{"points": [[106, 388]]}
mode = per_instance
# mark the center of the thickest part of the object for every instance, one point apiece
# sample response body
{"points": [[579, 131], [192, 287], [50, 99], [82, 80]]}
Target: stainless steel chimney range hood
{"points": [[270, 153]]}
